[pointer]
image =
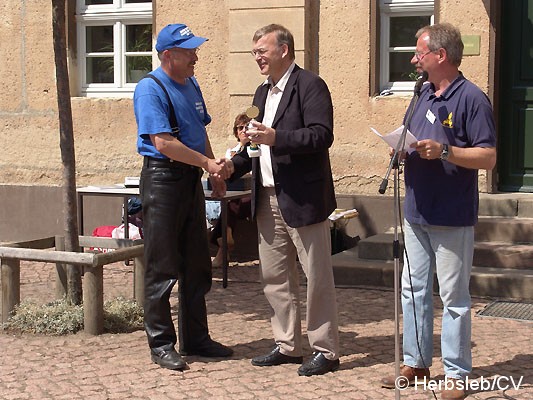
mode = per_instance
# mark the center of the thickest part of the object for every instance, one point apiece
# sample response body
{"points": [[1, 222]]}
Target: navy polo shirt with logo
{"points": [[439, 192]]}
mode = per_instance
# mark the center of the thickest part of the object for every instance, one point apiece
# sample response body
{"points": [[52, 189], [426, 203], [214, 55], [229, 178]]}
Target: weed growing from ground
{"points": [[61, 318]]}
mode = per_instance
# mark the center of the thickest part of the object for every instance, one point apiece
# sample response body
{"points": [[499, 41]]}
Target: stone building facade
{"points": [[338, 39]]}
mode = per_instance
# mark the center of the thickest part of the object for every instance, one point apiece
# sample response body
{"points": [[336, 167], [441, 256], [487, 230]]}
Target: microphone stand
{"points": [[394, 165]]}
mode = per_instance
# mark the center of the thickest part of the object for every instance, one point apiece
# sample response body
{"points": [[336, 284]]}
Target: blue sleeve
{"points": [[151, 109], [480, 121]]}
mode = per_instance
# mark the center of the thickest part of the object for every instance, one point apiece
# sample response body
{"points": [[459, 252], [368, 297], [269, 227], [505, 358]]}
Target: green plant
{"points": [[62, 318], [142, 42], [56, 318], [140, 63], [122, 315], [413, 76]]}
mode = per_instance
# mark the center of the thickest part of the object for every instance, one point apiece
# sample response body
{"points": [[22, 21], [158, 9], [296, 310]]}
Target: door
{"points": [[515, 136]]}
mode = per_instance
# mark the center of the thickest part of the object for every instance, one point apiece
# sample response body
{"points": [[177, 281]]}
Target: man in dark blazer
{"points": [[292, 197]]}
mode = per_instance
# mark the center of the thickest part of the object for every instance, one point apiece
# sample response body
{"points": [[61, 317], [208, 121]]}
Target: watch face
{"points": [[444, 154]]}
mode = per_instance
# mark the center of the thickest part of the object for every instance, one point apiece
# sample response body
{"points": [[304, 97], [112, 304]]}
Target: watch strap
{"points": [[444, 154]]}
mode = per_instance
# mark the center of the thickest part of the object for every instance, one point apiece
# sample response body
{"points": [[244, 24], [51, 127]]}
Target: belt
{"points": [[167, 163]]}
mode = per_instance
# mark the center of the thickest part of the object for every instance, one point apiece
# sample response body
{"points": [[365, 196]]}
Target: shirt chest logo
{"points": [[448, 122], [199, 107]]}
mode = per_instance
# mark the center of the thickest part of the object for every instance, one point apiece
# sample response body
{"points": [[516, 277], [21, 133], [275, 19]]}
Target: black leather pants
{"points": [[175, 250]]}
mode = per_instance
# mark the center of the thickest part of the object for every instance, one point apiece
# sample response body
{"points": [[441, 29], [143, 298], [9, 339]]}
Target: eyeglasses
{"points": [[240, 127], [189, 52], [420, 56], [192, 51], [259, 52]]}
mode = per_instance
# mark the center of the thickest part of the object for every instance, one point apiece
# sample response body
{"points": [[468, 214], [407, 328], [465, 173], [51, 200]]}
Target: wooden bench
{"points": [[92, 263]]}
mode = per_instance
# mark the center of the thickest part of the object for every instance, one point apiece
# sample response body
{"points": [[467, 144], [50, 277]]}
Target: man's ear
{"points": [[285, 50], [443, 55]]}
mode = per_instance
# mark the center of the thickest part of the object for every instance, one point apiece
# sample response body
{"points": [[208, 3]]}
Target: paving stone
{"points": [[118, 366]]}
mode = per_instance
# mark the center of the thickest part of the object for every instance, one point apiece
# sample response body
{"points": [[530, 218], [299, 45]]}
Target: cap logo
{"points": [[185, 32]]}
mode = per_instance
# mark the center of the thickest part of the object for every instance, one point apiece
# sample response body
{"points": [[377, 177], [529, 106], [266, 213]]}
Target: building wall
{"points": [[336, 44]]}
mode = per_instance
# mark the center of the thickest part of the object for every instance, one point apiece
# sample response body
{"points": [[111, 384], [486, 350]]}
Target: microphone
{"points": [[420, 81]]}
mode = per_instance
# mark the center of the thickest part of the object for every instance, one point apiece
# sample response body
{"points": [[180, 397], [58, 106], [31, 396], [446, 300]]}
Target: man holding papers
{"points": [[454, 127], [395, 136]]}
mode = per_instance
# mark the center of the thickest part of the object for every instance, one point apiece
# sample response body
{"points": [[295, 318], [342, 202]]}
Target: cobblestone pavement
{"points": [[118, 366]]}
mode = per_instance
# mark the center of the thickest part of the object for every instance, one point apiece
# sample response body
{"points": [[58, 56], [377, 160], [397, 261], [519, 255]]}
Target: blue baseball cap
{"points": [[177, 35]]}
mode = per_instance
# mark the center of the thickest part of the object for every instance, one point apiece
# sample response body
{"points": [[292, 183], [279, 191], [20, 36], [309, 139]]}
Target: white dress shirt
{"points": [[271, 106]]}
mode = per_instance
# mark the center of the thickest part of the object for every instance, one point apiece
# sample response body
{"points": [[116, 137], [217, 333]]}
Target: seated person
{"points": [[135, 215], [135, 221], [237, 209]]}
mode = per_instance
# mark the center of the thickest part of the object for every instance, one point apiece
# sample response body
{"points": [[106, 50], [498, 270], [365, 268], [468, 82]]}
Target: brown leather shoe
{"points": [[406, 378], [453, 391]]}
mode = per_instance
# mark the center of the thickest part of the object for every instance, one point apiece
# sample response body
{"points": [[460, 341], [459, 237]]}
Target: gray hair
{"points": [[447, 37], [283, 35]]}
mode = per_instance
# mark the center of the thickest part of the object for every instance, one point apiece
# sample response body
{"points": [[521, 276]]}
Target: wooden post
{"points": [[61, 270], [10, 286], [93, 300], [138, 279]]}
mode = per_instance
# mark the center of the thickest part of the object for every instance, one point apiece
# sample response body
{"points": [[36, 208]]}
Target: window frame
{"points": [[118, 15], [398, 8]]}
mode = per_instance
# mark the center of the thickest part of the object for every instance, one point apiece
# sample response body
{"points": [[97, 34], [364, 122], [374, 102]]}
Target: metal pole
{"points": [[396, 286]]}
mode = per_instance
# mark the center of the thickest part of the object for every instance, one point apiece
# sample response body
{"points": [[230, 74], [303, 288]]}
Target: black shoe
{"points": [[169, 359], [275, 357], [209, 348], [318, 365]]}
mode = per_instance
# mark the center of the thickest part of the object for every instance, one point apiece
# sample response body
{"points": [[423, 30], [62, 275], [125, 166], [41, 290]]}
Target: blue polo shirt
{"points": [[439, 192], [152, 112]]}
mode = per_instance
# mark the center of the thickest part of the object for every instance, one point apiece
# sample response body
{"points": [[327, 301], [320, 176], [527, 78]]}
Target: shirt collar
{"points": [[456, 83], [284, 79]]}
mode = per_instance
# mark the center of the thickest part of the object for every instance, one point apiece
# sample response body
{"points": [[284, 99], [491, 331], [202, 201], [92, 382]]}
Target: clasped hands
{"points": [[219, 170]]}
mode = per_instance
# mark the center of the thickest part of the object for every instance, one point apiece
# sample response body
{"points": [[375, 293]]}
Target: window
{"points": [[400, 20], [114, 44]]}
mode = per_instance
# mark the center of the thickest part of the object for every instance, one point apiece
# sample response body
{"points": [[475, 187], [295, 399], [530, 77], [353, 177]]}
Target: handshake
{"points": [[219, 170]]}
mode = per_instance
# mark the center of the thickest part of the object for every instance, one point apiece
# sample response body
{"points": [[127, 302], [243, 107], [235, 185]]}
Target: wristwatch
{"points": [[444, 154]]}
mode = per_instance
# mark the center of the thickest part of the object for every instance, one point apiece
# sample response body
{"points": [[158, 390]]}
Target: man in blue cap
{"points": [[171, 117]]}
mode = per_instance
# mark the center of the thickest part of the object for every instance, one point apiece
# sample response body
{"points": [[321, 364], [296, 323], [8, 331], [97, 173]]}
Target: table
{"points": [[119, 190]]}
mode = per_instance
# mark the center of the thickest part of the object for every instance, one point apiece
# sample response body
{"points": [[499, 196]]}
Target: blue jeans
{"points": [[450, 251]]}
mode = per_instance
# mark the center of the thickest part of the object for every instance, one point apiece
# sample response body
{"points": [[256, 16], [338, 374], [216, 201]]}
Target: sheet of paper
{"points": [[346, 214], [393, 137]]}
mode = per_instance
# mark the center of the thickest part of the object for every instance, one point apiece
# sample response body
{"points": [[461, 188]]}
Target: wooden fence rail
{"points": [[92, 263]]}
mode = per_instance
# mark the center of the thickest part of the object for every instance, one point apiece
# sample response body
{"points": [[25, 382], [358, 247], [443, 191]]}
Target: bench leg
{"points": [[93, 300], [138, 279], [10, 286], [61, 270]]}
